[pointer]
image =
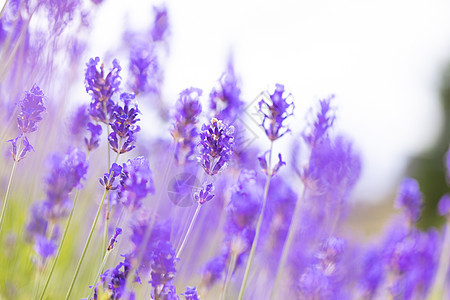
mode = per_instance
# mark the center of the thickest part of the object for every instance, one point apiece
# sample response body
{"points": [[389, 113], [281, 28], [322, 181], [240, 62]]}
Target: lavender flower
{"points": [[115, 279], [225, 100], [94, 141], [322, 124], [204, 195], [185, 130], [113, 240], [45, 247], [275, 111], [66, 174], [191, 293], [146, 75], [161, 24], [136, 182], [109, 178], [32, 106], [101, 89], [216, 146], [444, 206], [26, 148], [124, 125], [79, 120], [409, 198]]}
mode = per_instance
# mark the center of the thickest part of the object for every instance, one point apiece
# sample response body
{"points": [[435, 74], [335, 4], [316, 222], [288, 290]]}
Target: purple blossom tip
{"points": [[322, 123], [444, 205], [409, 198], [216, 146], [191, 293], [275, 111], [113, 240], [32, 106], [205, 194]]}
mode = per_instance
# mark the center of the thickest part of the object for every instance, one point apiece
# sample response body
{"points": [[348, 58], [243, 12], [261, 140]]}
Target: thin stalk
{"points": [[231, 267], [439, 283], [3, 8], [66, 229], [105, 237], [87, 244], [100, 270], [191, 225], [5, 203], [258, 226], [287, 244]]}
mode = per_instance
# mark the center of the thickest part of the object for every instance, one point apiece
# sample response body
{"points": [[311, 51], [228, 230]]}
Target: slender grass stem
{"points": [[437, 292], [100, 270], [5, 203], [66, 228], [105, 237], [258, 226], [188, 232], [86, 245], [3, 8], [231, 267], [287, 244]]}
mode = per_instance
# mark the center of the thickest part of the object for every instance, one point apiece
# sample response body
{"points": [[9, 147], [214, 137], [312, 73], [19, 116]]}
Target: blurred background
{"points": [[386, 63]]}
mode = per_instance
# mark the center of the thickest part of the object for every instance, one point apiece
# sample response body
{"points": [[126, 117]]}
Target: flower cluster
{"points": [[216, 146], [185, 129], [275, 111], [31, 109]]}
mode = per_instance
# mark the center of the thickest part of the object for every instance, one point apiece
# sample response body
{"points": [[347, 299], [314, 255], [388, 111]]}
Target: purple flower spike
{"points": [[45, 247], [116, 279], [32, 106], [113, 240], [26, 147], [409, 198], [216, 146], [136, 182], [324, 120], [191, 293], [109, 178], [185, 130], [275, 111], [444, 206], [161, 24], [94, 141], [101, 89], [263, 164], [205, 194]]}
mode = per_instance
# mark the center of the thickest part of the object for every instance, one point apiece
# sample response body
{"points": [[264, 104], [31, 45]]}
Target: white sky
{"points": [[382, 60]]}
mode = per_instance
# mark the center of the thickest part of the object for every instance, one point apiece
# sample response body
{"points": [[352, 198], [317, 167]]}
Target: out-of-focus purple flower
{"points": [[26, 147], [204, 195], [225, 99], [185, 132], [216, 146], [124, 125], [214, 270], [60, 13], [330, 252], [109, 178], [45, 247], [37, 225], [136, 182], [263, 164], [66, 174], [322, 123], [191, 293], [275, 111], [146, 75], [161, 24], [101, 89], [115, 279], [409, 198], [113, 240], [444, 206], [79, 120], [314, 284], [333, 170], [413, 263], [373, 272], [162, 263], [94, 141], [32, 106]]}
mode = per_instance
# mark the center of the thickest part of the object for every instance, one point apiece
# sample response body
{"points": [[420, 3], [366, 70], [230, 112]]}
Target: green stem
{"points": [[287, 244], [5, 203], [66, 229], [87, 244], [258, 226], [105, 237], [191, 225], [231, 267], [105, 258], [444, 262]]}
